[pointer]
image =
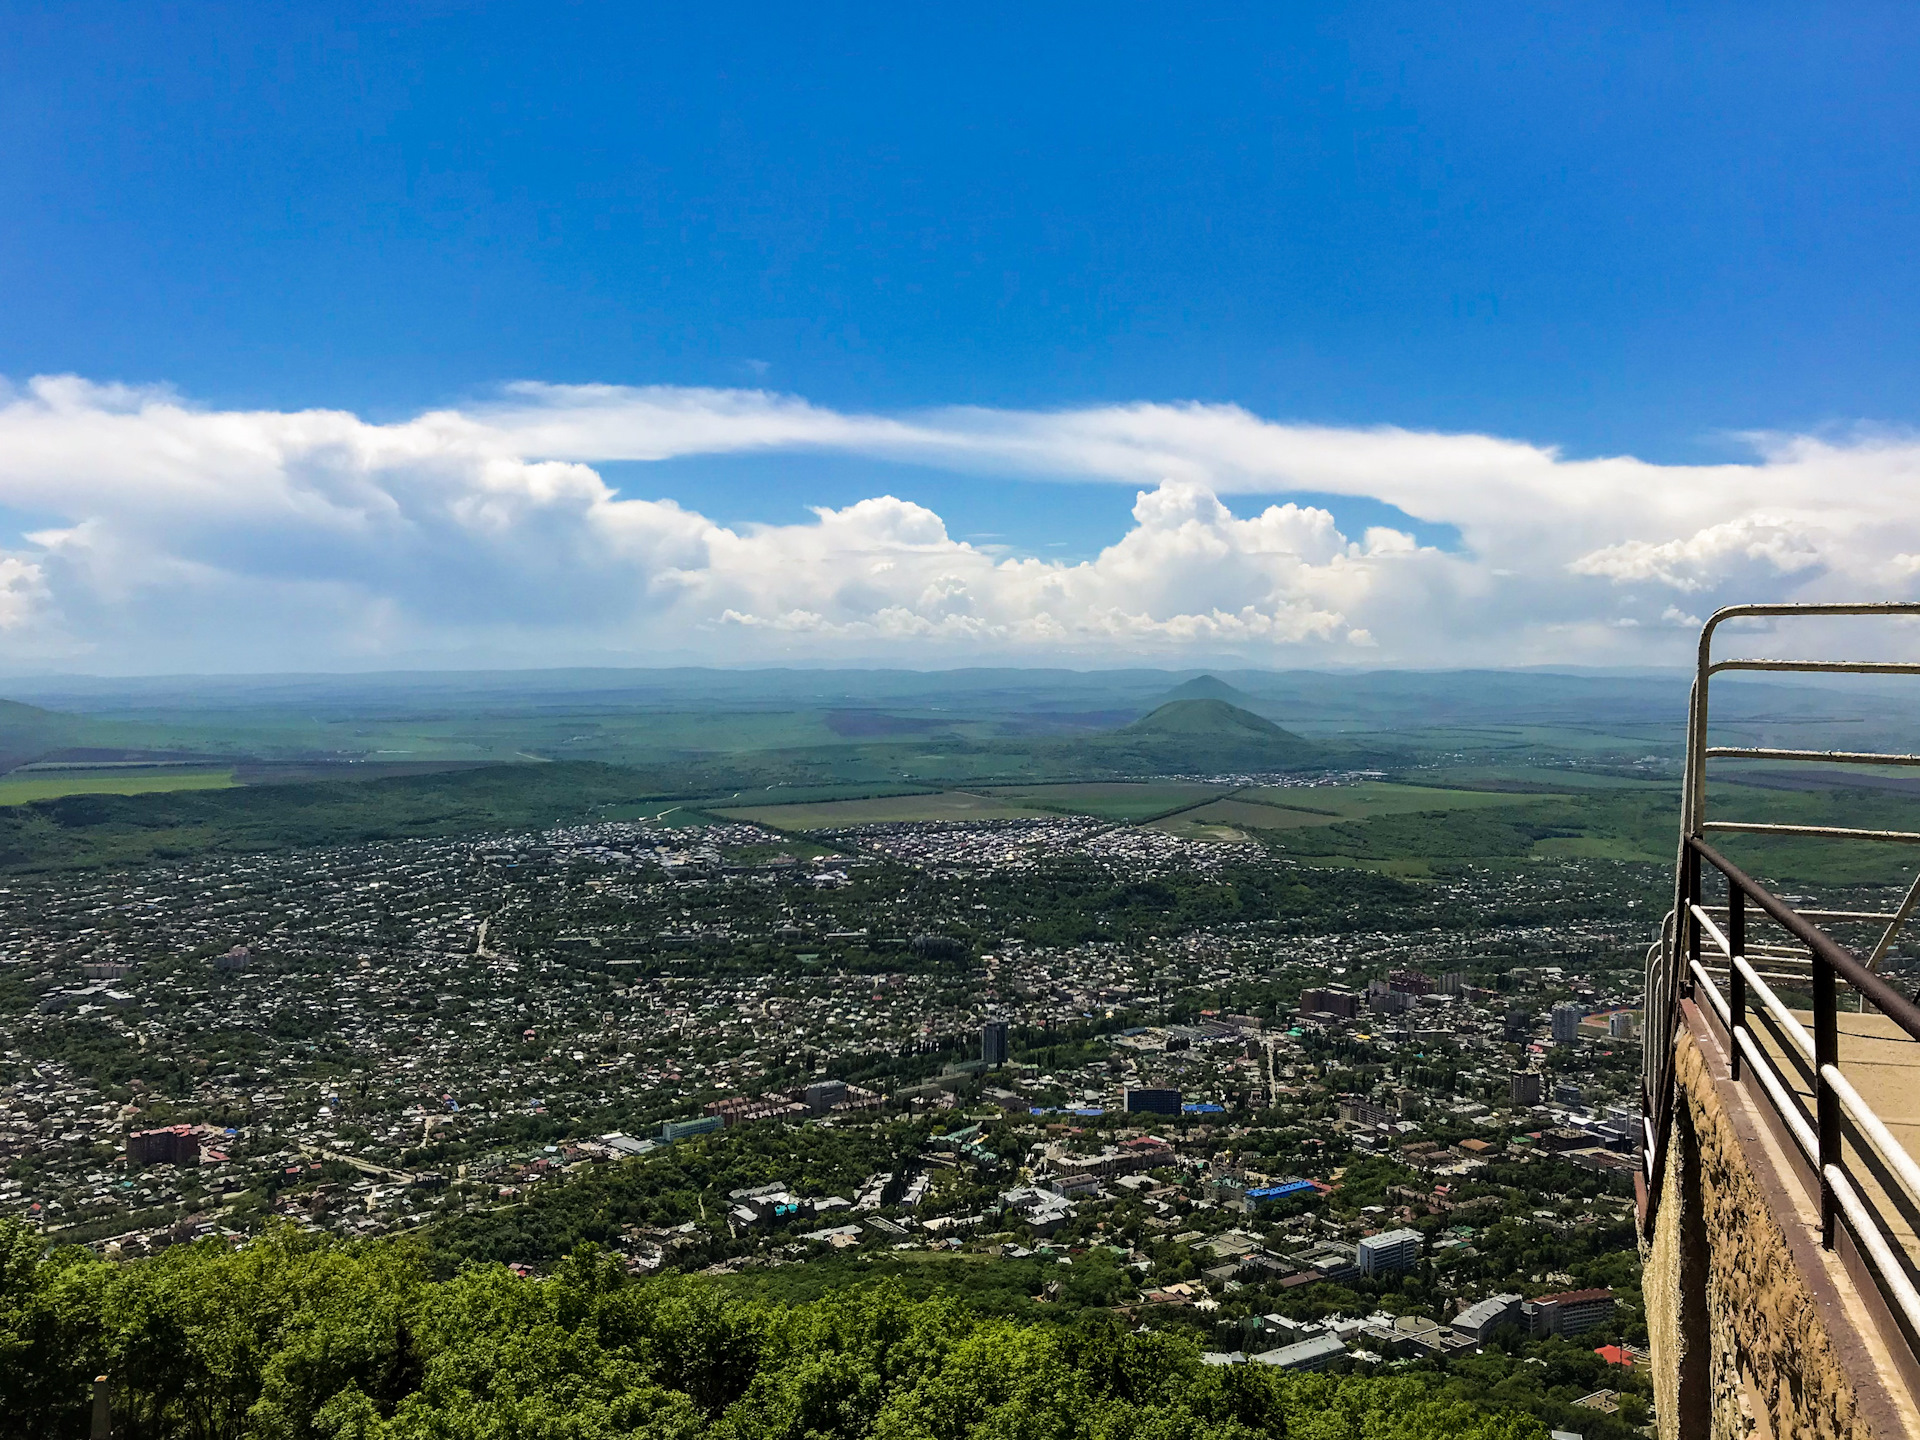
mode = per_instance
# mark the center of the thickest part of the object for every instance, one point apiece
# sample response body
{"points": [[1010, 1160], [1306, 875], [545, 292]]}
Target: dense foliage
{"points": [[298, 1338]]}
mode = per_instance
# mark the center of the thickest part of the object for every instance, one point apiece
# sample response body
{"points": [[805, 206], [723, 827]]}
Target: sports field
{"points": [[23, 786]]}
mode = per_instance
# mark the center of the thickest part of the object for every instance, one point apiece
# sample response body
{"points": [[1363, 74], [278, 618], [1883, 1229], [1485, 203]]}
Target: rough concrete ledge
{"points": [[1756, 1330]]}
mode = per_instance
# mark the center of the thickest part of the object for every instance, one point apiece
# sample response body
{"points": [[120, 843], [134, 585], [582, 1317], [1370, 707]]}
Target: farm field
{"points": [[1378, 797], [832, 814], [1236, 816], [1549, 777], [1599, 847], [1115, 801], [21, 789]]}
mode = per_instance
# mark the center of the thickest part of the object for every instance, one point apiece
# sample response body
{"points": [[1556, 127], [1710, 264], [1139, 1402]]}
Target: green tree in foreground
{"points": [[297, 1337]]}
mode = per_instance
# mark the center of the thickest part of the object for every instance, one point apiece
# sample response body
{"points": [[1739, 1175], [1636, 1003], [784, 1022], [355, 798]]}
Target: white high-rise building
{"points": [[1388, 1253]]}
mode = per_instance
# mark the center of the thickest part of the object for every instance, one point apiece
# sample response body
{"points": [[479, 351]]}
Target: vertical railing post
{"points": [[1826, 1105], [1687, 918], [1736, 980]]}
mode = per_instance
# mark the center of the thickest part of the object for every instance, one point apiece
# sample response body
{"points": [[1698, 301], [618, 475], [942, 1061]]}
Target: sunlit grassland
{"points": [[21, 787]]}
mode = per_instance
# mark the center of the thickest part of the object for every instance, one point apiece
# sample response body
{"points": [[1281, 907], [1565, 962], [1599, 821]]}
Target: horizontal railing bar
{"points": [[1821, 667], [1891, 1150], [1881, 916], [1795, 1030], [1863, 915], [1784, 1048], [1822, 757], [1897, 1007], [1783, 1103], [1800, 609], [1714, 998], [1820, 832], [1719, 937], [1893, 1275], [1770, 976]]}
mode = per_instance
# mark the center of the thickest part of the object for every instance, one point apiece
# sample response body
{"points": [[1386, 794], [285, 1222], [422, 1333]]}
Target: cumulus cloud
{"points": [[160, 533], [1757, 548]]}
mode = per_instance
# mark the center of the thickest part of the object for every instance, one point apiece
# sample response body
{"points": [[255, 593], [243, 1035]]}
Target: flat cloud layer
{"points": [[166, 536]]}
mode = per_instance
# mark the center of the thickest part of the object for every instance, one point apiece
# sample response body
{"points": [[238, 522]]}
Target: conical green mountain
{"points": [[1210, 717], [1204, 687], [1199, 735]]}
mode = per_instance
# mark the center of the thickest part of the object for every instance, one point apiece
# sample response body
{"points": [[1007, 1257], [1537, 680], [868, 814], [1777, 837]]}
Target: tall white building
{"points": [[1388, 1253]]}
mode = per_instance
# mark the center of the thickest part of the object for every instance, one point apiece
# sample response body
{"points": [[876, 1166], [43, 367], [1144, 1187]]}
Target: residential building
{"points": [[1571, 1312], [1316, 1352], [1478, 1321], [1152, 1100], [171, 1145], [1566, 1022], [1389, 1253], [993, 1042]]}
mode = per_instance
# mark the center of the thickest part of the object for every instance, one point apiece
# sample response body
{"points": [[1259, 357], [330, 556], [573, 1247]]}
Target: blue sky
{"points": [[1595, 230]]}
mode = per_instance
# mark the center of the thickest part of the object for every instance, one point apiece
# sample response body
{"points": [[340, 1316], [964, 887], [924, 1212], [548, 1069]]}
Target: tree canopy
{"points": [[299, 1337]]}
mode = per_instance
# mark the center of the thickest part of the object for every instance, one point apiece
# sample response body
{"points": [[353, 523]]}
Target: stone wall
{"points": [[1739, 1346]]}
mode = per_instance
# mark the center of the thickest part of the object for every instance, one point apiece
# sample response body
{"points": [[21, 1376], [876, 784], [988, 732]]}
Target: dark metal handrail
{"points": [[1833, 1094], [1683, 968], [1889, 1001]]}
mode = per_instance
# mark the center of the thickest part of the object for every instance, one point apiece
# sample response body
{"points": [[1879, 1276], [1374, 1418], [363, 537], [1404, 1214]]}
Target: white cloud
{"points": [[1755, 548], [165, 535]]}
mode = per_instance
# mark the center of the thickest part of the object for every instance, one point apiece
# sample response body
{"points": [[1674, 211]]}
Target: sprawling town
{"points": [[1231, 1117]]}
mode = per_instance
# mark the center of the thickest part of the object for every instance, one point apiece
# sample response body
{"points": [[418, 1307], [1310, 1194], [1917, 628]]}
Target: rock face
{"points": [[1755, 1331]]}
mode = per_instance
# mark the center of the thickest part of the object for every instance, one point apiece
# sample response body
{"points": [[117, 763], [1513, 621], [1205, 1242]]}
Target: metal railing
{"points": [[1796, 1072]]}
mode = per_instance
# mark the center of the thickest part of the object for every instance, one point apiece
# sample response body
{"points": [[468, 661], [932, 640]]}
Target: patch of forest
{"points": [[299, 1337]]}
